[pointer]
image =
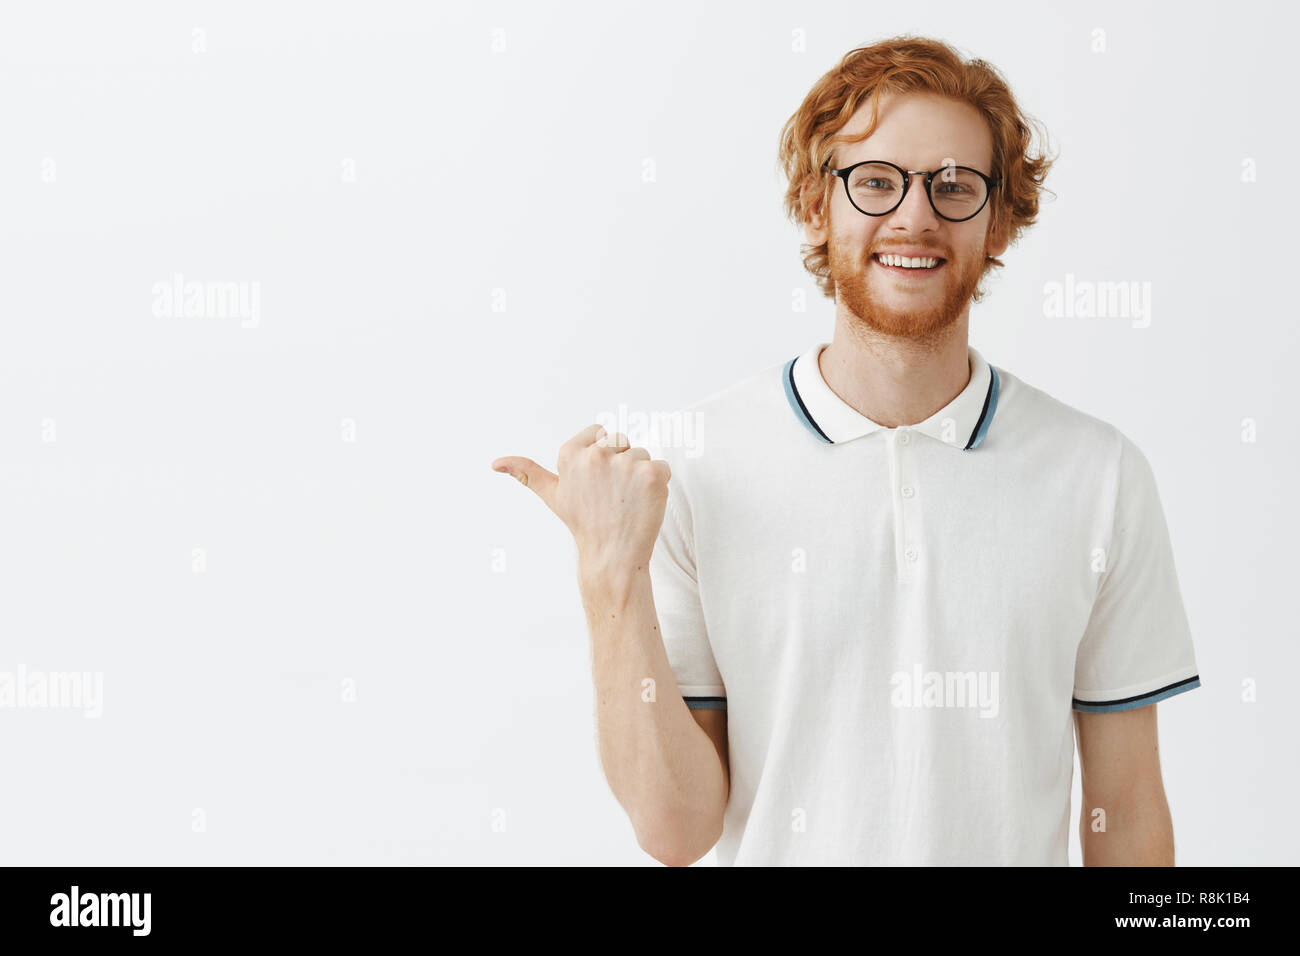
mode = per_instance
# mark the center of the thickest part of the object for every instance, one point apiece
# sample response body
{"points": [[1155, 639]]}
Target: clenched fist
{"points": [[610, 496]]}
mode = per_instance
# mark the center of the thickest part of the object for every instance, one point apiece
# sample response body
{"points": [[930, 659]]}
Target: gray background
{"points": [[444, 212]]}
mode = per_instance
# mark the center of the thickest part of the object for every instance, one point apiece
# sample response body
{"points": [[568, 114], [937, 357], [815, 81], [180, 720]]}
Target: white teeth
{"points": [[908, 263]]}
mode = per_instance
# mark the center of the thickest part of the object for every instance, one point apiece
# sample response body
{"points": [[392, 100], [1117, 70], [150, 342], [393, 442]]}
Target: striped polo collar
{"points": [[962, 423]]}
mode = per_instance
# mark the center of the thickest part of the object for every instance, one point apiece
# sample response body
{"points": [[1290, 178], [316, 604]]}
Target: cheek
{"points": [[857, 238], [967, 245]]}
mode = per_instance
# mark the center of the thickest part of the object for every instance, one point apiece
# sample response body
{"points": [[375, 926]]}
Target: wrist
{"points": [[609, 579]]}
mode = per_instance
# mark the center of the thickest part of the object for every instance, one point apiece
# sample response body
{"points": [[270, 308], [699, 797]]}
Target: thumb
{"points": [[527, 472]]}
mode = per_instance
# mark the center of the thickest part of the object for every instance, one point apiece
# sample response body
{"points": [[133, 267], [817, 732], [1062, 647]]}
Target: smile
{"points": [[911, 265]]}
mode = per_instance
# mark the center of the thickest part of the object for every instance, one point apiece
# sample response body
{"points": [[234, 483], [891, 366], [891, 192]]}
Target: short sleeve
{"points": [[675, 586], [1137, 647]]}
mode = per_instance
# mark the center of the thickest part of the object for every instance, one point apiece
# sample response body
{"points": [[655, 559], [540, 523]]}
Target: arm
{"points": [[666, 770], [1120, 761], [666, 764]]}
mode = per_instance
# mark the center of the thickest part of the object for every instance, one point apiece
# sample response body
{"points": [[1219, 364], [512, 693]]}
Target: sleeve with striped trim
{"points": [[1137, 647], [675, 586]]}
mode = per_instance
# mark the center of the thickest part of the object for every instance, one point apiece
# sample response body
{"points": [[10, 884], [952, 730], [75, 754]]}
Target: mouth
{"points": [[913, 266]]}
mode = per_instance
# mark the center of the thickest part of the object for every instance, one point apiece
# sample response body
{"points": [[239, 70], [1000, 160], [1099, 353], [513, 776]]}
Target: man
{"points": [[899, 578]]}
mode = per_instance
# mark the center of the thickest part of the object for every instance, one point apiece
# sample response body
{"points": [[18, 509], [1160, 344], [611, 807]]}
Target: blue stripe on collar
{"points": [[796, 403], [986, 414]]}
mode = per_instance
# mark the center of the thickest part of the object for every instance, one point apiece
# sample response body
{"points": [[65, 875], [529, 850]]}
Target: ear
{"points": [[816, 224], [996, 242]]}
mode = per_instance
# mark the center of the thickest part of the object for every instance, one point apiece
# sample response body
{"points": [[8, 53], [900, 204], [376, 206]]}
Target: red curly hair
{"points": [[908, 64]]}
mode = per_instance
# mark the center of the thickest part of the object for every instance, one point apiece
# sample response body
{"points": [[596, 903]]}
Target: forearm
{"points": [[660, 764], [1138, 830]]}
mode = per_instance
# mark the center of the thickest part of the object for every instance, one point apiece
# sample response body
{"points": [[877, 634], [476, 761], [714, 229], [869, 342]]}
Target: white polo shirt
{"points": [[899, 621]]}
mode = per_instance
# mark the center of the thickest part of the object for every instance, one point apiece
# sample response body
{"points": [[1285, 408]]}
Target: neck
{"points": [[895, 381]]}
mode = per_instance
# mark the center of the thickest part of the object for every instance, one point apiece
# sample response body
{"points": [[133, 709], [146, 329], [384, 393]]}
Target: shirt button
{"points": [[904, 438], [908, 491], [911, 554]]}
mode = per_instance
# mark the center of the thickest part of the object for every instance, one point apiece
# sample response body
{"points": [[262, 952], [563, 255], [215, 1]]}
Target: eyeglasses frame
{"points": [[989, 184]]}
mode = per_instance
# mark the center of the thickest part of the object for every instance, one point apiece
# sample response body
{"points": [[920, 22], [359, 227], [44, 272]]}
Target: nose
{"points": [[915, 214]]}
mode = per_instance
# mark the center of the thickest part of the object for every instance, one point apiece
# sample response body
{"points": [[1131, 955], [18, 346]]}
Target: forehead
{"points": [[919, 131]]}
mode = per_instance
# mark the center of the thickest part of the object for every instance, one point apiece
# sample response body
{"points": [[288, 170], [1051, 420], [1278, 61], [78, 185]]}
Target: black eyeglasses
{"points": [[876, 188]]}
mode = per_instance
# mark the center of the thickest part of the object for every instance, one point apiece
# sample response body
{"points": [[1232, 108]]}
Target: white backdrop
{"points": [[262, 518]]}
